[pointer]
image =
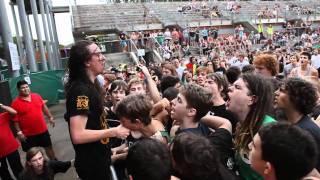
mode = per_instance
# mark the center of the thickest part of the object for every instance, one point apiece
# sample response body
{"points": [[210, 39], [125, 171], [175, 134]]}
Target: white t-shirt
{"points": [[241, 64], [315, 61], [180, 70]]}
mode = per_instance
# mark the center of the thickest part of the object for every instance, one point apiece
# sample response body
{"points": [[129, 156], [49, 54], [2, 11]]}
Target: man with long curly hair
{"points": [[297, 98]]}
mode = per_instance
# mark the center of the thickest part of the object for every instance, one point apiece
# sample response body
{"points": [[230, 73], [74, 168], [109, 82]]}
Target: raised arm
{"points": [[151, 85], [217, 122]]}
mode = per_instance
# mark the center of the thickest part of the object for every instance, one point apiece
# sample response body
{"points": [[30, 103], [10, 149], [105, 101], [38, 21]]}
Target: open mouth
{"points": [[275, 100], [228, 103]]}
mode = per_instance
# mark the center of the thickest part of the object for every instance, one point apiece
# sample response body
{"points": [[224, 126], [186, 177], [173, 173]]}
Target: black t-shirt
{"points": [[113, 121], [192, 34], [307, 124], [112, 118], [222, 111], [222, 141], [92, 159], [221, 69]]}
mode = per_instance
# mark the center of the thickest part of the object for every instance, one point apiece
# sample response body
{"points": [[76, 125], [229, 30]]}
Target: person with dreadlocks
{"points": [[250, 99]]}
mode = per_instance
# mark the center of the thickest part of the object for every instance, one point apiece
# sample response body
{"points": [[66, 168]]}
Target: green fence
{"points": [[48, 84]]}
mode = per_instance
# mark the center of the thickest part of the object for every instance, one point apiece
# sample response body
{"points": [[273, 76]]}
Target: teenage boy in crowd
{"points": [[192, 103], [190, 111], [283, 151], [202, 72], [297, 98], [134, 114], [148, 85]]}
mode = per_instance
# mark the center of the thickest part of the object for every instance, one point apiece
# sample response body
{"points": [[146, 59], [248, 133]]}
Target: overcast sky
{"points": [[63, 20]]}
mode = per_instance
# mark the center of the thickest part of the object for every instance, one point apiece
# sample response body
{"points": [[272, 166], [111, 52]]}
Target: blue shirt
{"points": [[201, 130]]}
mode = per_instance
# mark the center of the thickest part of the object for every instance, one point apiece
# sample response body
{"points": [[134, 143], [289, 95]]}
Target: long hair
{"points": [[260, 88], [28, 172], [79, 55]]}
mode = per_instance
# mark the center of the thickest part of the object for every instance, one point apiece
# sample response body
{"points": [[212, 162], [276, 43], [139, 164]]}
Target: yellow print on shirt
{"points": [[82, 102], [104, 125]]}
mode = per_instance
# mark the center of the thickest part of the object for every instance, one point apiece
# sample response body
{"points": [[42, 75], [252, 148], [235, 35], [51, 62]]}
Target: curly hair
{"points": [[204, 69], [269, 61], [298, 88]]}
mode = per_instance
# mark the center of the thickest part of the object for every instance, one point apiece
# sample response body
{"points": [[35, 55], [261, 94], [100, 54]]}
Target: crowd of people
{"points": [[179, 120], [231, 113], [268, 13], [223, 108]]}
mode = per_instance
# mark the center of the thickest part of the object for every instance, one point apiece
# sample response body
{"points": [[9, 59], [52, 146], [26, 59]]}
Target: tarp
{"points": [[48, 84]]}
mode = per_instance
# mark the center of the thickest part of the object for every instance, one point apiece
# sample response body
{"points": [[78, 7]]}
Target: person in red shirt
{"points": [[192, 65], [29, 121], [8, 146]]}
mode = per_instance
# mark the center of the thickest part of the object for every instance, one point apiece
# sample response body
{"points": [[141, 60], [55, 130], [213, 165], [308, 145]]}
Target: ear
{"points": [[138, 123], [221, 89], [252, 100], [192, 112], [87, 64], [268, 168]]}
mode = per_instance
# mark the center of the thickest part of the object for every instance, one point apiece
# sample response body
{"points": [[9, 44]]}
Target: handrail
{"points": [[133, 46], [158, 48]]}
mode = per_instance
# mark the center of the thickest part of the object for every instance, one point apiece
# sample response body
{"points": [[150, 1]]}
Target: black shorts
{"points": [[42, 140]]}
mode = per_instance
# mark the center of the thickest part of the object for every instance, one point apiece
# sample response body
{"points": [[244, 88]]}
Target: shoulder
{"points": [[16, 103], [314, 71], [221, 134], [307, 122], [267, 120], [158, 125], [35, 95], [79, 88]]}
